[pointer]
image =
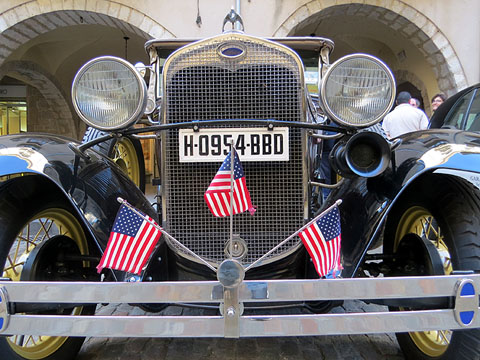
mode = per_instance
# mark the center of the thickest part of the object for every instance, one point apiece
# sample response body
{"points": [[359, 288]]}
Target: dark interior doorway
{"points": [[407, 86]]}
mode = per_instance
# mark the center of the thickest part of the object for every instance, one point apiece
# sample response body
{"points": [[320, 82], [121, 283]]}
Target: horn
{"points": [[365, 154]]}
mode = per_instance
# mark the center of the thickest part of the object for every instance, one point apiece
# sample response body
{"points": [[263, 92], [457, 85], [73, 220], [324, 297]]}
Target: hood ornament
{"points": [[233, 17]]}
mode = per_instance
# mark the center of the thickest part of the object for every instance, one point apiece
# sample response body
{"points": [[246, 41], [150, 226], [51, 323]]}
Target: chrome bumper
{"points": [[461, 288]]}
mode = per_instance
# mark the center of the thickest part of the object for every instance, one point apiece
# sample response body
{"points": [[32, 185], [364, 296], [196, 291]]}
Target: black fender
{"points": [[367, 202], [91, 183]]}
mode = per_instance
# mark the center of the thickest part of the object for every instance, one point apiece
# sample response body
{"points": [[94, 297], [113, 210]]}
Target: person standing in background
{"points": [[404, 118], [415, 102], [437, 100]]}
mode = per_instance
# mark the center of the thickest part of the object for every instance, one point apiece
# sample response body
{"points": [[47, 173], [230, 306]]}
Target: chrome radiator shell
{"points": [[266, 82]]}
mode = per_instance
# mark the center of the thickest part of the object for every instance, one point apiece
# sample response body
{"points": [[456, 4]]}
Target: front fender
{"points": [[367, 202], [434, 151], [91, 184]]}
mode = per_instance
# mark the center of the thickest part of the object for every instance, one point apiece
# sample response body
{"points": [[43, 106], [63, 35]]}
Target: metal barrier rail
{"points": [[249, 290], [462, 288]]}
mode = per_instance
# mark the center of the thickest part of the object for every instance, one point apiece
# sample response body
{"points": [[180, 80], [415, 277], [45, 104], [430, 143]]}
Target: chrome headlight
{"points": [[109, 93], [358, 90]]}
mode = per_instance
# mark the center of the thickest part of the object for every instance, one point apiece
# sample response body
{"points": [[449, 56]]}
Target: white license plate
{"points": [[252, 144]]}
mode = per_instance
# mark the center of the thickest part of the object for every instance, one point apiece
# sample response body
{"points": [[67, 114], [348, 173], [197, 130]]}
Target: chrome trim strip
{"points": [[307, 170], [117, 326], [354, 323], [251, 326], [361, 289], [110, 292], [249, 290]]}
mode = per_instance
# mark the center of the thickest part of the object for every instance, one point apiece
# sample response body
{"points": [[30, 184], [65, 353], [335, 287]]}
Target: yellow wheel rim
{"points": [[125, 156], [420, 221], [41, 227]]}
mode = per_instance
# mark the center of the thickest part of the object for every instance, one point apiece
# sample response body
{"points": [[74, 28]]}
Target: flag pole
{"points": [[337, 203], [232, 162]]}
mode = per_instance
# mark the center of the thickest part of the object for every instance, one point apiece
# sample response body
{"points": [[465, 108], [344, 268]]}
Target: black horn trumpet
{"points": [[365, 154]]}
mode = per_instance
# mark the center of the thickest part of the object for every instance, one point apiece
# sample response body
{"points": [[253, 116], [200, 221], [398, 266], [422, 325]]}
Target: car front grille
{"points": [[266, 83]]}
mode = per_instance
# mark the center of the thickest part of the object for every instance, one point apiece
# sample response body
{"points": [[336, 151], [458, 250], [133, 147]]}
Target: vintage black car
{"points": [[409, 225]]}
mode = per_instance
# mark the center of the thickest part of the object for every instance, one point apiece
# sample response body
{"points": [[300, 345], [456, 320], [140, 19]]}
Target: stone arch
{"points": [[25, 22], [31, 19], [405, 19], [54, 103]]}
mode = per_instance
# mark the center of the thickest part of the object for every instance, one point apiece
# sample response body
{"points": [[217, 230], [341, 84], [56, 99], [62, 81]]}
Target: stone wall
{"points": [[42, 118]]}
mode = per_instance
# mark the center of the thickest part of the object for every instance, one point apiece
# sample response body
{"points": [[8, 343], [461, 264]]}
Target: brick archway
{"points": [[404, 19]]}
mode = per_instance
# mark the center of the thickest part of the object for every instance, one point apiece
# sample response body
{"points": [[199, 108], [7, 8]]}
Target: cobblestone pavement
{"points": [[351, 347]]}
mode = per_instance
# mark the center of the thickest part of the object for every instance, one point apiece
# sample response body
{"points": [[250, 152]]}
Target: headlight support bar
{"points": [[267, 123]]}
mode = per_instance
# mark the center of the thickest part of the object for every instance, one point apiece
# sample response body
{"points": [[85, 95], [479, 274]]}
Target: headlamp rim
{"points": [[338, 62], [140, 110]]}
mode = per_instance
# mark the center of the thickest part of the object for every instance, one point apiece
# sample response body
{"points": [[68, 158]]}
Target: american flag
{"points": [[322, 239], [131, 241], [217, 195]]}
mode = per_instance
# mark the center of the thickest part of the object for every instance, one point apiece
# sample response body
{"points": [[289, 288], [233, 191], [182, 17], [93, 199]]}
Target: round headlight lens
{"points": [[358, 90], [108, 93]]}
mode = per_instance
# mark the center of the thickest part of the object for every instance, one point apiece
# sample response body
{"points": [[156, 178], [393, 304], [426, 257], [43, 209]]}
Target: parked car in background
{"points": [[460, 111]]}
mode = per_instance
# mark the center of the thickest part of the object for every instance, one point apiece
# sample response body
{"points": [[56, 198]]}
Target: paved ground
{"points": [[371, 347]]}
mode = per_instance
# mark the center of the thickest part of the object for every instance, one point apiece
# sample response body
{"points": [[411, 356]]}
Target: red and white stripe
{"points": [[217, 195], [127, 253], [325, 254]]}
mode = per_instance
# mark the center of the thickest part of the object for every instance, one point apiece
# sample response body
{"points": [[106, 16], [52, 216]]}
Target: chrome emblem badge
{"points": [[466, 302], [231, 50]]}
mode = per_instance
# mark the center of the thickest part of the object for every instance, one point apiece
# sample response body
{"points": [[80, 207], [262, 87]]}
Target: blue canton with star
{"points": [[329, 224], [127, 222], [237, 166]]}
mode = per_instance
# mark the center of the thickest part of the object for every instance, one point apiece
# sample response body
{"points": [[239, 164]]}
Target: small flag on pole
{"points": [[217, 195], [322, 239], [131, 241]]}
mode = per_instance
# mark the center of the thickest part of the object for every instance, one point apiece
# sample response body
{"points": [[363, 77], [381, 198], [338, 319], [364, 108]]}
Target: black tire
{"points": [[43, 218], [126, 152], [452, 207]]}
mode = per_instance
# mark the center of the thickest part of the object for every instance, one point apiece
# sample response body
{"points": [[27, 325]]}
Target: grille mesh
{"points": [[264, 84]]}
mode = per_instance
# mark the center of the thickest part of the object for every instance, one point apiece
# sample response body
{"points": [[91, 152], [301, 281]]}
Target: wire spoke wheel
{"points": [[418, 220], [124, 155], [433, 230], [40, 228]]}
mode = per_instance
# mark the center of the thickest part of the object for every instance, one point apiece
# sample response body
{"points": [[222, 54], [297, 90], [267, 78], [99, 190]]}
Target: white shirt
{"points": [[404, 119]]}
